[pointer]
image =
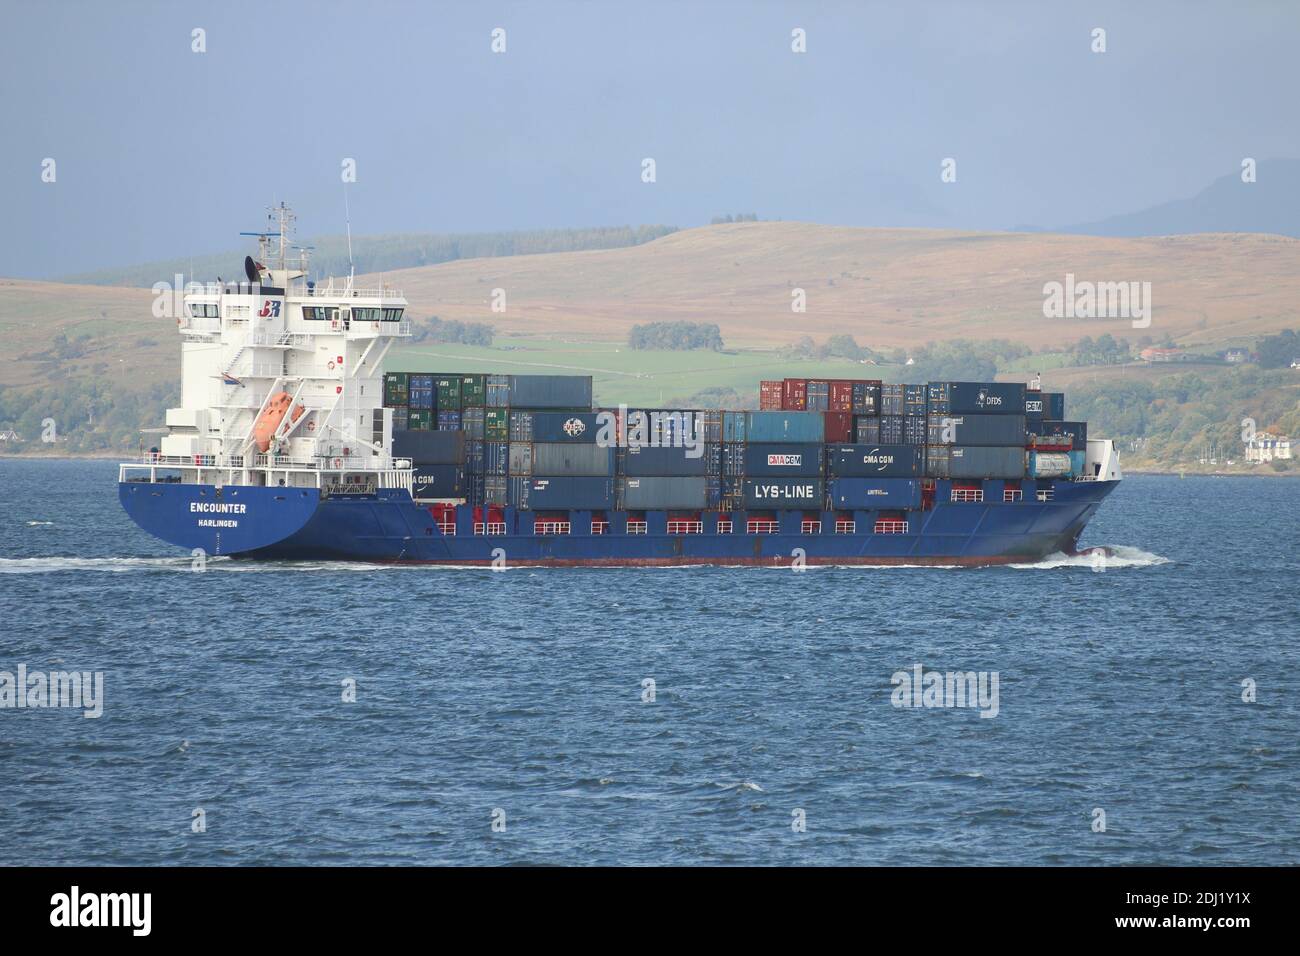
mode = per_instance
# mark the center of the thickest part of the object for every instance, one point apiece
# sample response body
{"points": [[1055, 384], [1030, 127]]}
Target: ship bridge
{"points": [[281, 376]]}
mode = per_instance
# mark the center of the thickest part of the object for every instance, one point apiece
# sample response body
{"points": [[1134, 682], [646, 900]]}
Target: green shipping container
{"points": [[496, 424], [448, 387], [420, 420], [395, 389], [473, 391]]}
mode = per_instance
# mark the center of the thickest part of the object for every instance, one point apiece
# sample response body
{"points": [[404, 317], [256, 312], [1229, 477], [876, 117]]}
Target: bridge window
{"points": [[313, 313], [392, 315]]}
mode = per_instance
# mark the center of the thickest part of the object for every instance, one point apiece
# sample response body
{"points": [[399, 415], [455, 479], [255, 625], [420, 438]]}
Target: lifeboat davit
{"points": [[272, 416]]}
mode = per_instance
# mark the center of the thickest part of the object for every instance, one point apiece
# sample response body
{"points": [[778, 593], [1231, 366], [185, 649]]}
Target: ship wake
{"points": [[1100, 558]]}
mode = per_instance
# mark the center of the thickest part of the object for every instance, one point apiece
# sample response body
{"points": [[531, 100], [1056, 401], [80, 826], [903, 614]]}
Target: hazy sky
{"points": [[164, 152]]}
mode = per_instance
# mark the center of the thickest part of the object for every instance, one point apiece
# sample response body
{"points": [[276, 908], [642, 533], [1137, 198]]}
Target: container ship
{"points": [[292, 443]]}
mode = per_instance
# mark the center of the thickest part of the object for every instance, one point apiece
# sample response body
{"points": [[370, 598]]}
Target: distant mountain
{"points": [[371, 254], [1270, 204]]}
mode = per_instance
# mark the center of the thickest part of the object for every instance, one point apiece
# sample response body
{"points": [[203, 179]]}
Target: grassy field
{"points": [[620, 374]]}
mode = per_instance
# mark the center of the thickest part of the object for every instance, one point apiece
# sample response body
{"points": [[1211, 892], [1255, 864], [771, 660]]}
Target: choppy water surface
{"points": [[522, 692]]}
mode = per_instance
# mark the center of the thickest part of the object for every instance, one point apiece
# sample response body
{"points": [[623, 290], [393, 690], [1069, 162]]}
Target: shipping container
{"points": [[891, 400], [580, 427], [838, 427], [976, 398], [496, 424], [891, 428], [420, 420], [471, 419], [868, 493], [496, 489], [733, 459], [819, 395], [1033, 405], [784, 427], [497, 391], [395, 389], [657, 462], [734, 425], [841, 399], [437, 481], [795, 397], [913, 429], [448, 421], [474, 489], [952, 429], [713, 458], [1078, 432], [777, 460], [496, 458], [914, 398], [866, 398], [550, 391], [562, 494], [974, 461], [866, 429], [663, 493], [784, 493], [473, 391], [771, 395], [430, 447], [474, 459], [448, 389], [712, 420], [401, 419], [565, 459], [878, 461], [420, 393], [1049, 464], [521, 458]]}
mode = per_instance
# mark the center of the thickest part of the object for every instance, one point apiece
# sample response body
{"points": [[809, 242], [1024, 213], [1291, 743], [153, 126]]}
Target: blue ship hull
{"points": [[296, 524]]}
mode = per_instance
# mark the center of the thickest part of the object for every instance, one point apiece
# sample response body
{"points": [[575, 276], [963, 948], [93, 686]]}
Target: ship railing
{"points": [[1045, 494], [638, 527], [447, 529], [760, 526], [185, 461], [843, 526], [968, 494], [492, 527], [1012, 494], [205, 325], [600, 527], [686, 527], [726, 527], [810, 527], [890, 526], [339, 292], [551, 527]]}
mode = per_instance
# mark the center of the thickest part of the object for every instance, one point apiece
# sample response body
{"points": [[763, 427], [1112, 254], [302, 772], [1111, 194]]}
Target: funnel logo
{"points": [[270, 309], [574, 427]]}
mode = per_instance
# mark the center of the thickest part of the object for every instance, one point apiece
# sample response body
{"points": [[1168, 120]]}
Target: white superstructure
{"points": [[282, 381]]}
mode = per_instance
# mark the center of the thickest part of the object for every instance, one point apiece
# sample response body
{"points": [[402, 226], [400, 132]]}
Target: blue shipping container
{"points": [[785, 427], [664, 493], [430, 448], [951, 429], [866, 493], [734, 426], [976, 398], [764, 460], [880, 461], [648, 462], [549, 391], [566, 427], [562, 494], [787, 493], [438, 481]]}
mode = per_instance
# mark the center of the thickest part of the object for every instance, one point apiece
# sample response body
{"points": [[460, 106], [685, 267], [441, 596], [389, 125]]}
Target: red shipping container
{"points": [[839, 428], [841, 397], [795, 397], [771, 395]]}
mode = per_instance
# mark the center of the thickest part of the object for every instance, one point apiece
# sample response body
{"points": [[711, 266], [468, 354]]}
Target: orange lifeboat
{"points": [[272, 416]]}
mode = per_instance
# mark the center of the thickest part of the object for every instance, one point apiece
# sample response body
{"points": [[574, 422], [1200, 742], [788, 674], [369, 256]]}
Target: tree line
{"points": [[675, 336]]}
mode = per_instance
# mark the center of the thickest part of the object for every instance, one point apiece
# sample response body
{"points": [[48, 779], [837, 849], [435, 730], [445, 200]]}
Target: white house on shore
{"points": [[1266, 447]]}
